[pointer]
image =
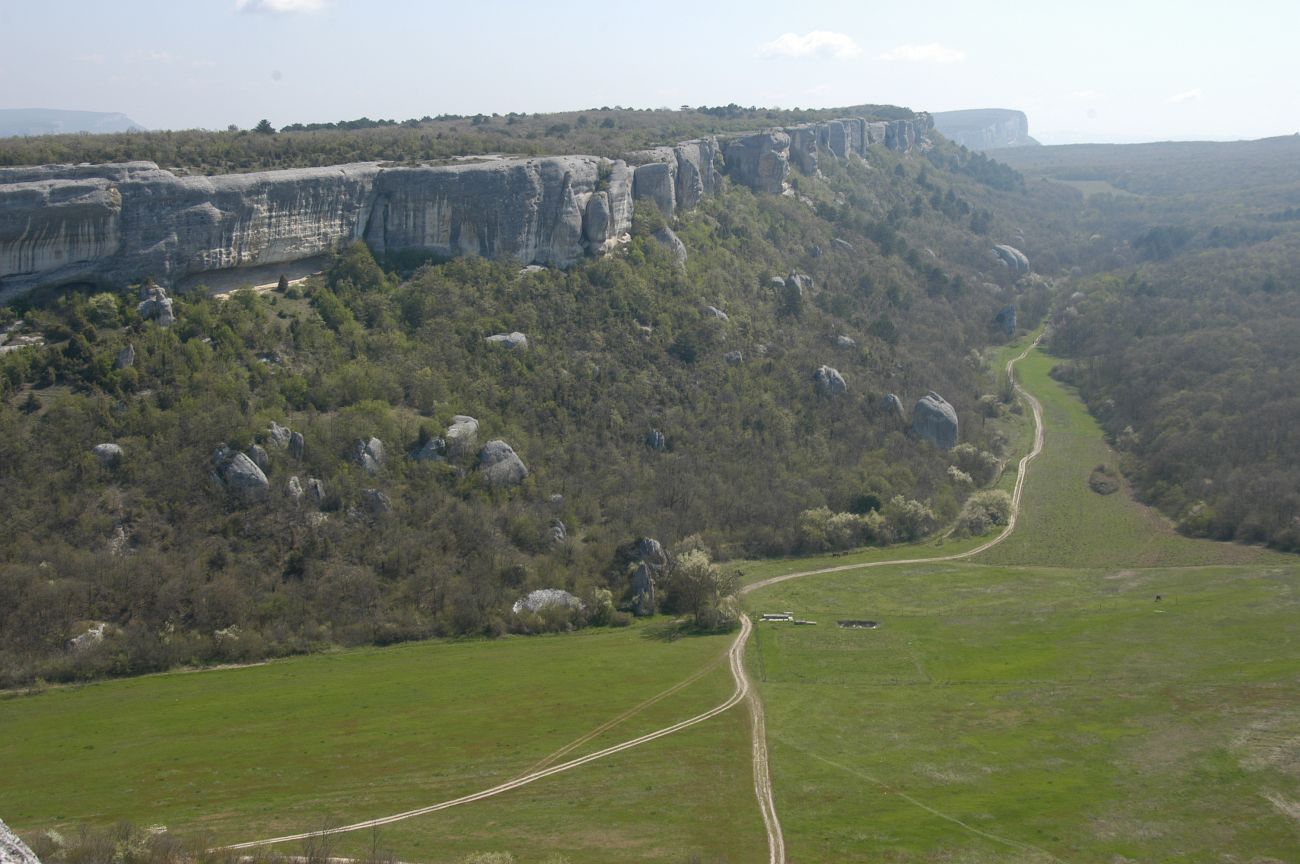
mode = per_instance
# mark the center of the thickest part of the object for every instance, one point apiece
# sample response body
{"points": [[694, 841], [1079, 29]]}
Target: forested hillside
{"points": [[1181, 328], [652, 399]]}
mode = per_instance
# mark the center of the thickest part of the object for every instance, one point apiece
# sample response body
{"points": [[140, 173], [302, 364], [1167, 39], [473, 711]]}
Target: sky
{"points": [[1099, 71]]}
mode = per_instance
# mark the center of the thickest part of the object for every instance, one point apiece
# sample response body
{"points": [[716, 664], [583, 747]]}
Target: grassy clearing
{"points": [[1065, 523], [1048, 712], [289, 746], [1063, 710]]}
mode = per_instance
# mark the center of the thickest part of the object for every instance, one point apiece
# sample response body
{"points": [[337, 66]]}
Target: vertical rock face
{"points": [[114, 224], [656, 180], [529, 210], [696, 176], [838, 139], [934, 420], [803, 148], [900, 135], [760, 161]]}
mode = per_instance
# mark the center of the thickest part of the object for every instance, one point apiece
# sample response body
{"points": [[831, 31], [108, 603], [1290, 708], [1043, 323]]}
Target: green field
{"points": [[297, 744], [1048, 712]]}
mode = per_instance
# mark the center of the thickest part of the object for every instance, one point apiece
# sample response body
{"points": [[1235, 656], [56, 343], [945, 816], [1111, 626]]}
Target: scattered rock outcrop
{"points": [[715, 313], [500, 465], [461, 436], [546, 598], [655, 440], [376, 502], [432, 450], [649, 561], [842, 341], [829, 381], [238, 473], [155, 305], [260, 457], [125, 357], [278, 435], [297, 445], [934, 420], [13, 850], [733, 358], [294, 488], [108, 454], [369, 454], [894, 407], [1012, 258], [515, 341], [668, 239]]}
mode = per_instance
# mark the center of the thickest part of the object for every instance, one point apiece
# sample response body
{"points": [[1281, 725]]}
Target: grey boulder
{"points": [[733, 358], [515, 341], [546, 598], [894, 406], [125, 357], [238, 473], [715, 312], [13, 850], [433, 450], [376, 502], [461, 436], [155, 305], [670, 241], [500, 465], [369, 454], [829, 381], [1012, 258], [278, 435], [107, 454], [654, 439], [260, 457], [934, 420], [297, 445]]}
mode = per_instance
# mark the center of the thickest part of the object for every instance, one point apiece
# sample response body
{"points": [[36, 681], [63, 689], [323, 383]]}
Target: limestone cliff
{"points": [[115, 224], [985, 128]]}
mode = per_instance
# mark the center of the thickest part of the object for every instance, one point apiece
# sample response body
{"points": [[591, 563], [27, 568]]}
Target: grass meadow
{"points": [[303, 743], [1042, 704]]}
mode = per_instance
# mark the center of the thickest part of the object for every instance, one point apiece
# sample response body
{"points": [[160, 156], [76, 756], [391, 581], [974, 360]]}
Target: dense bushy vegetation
{"points": [[1185, 344], [601, 131], [182, 571]]}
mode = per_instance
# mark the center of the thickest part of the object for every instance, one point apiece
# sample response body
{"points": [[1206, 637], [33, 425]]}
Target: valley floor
{"points": [[1038, 703]]}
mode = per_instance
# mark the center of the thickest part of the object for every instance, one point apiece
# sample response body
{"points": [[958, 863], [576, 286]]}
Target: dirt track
{"points": [[743, 692]]}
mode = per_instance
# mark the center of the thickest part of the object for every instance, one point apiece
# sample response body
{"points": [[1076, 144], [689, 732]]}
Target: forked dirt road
{"points": [[744, 690]]}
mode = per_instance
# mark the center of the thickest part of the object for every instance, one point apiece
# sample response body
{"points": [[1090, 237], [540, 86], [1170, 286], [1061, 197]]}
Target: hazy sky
{"points": [[1082, 71]]}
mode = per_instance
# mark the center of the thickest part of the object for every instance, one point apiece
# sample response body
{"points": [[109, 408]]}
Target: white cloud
{"points": [[279, 5], [932, 52], [816, 43], [1186, 96], [151, 57]]}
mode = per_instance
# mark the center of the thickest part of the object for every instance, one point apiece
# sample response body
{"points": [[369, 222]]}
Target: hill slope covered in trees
{"points": [[637, 409]]}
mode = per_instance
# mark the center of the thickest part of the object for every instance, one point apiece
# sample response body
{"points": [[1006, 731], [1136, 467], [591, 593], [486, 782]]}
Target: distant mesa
{"points": [[985, 128], [52, 121]]}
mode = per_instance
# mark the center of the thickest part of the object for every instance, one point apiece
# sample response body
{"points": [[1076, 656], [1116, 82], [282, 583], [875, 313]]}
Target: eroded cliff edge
{"points": [[115, 224]]}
